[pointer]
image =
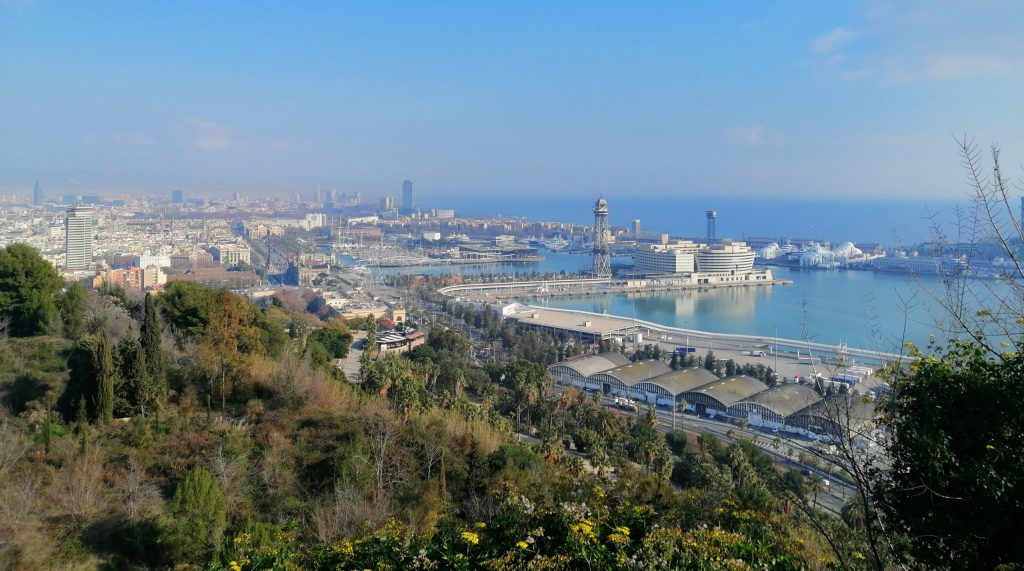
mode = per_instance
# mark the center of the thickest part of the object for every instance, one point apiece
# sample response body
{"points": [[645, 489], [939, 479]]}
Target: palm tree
{"points": [[817, 486]]}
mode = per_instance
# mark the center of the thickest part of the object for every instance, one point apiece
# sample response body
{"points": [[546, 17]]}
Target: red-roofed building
{"points": [[385, 324]]}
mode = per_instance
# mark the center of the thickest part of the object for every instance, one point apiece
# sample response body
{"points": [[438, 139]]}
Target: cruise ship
{"points": [[556, 244]]}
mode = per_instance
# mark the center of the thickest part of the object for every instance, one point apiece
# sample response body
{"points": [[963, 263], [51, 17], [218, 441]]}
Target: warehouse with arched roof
{"points": [[771, 408], [666, 388], [578, 371], [840, 417], [622, 380], [717, 396]]}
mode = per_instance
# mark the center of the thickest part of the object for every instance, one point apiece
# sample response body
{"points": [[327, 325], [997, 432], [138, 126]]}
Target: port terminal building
{"points": [[790, 407], [725, 262]]}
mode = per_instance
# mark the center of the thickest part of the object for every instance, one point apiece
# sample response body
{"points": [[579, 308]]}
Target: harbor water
{"points": [[869, 310]]}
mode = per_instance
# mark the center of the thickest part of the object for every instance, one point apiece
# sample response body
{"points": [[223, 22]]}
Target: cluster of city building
{"points": [[110, 242]]}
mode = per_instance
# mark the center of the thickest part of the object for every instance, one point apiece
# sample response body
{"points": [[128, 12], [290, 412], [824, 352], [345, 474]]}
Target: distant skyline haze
{"points": [[822, 100]]}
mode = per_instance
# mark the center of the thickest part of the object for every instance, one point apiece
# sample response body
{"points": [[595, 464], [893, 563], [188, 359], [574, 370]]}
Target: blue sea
{"points": [[890, 223]]}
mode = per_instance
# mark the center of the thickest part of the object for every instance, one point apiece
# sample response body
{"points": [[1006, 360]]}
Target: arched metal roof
{"points": [[592, 364], [634, 373], [784, 400], [682, 380], [729, 390]]}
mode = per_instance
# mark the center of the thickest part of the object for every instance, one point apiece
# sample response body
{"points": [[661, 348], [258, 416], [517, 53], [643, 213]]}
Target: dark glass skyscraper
{"points": [[37, 194], [407, 195], [177, 196]]}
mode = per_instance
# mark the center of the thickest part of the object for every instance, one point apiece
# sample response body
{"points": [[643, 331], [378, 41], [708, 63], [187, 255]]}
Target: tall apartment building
{"points": [[78, 238], [37, 194]]}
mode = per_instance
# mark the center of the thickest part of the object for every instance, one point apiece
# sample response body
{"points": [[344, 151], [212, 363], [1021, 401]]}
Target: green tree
{"points": [[72, 306], [105, 376], [200, 510], [370, 344], [956, 488], [730, 368], [710, 362], [188, 307], [526, 380], [76, 402], [27, 287], [155, 388], [335, 338], [89, 393], [132, 376], [229, 341]]}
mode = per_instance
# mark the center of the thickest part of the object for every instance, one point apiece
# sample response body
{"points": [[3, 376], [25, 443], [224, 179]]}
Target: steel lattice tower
{"points": [[602, 240]]}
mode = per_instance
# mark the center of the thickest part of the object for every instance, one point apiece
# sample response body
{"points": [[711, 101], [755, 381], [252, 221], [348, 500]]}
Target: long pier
{"points": [[736, 341], [590, 286]]}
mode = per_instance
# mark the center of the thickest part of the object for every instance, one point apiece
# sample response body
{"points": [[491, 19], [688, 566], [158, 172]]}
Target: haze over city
{"points": [[505, 285], [852, 100]]}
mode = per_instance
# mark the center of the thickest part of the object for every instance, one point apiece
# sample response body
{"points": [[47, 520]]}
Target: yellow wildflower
{"points": [[583, 531], [470, 537], [522, 545], [480, 525], [235, 566]]}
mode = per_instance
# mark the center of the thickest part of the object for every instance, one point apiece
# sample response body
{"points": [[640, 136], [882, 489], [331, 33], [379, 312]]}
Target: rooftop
{"points": [[682, 380], [731, 390], [786, 399], [593, 324], [640, 372], [592, 364]]}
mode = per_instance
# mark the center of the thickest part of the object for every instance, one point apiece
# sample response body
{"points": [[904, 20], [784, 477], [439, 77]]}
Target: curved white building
{"points": [[770, 252], [726, 257], [847, 251], [815, 254]]}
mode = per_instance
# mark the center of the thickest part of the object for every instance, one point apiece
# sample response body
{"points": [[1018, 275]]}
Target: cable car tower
{"points": [[602, 240]]}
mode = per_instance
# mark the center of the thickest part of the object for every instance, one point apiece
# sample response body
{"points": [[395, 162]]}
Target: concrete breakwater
{"points": [[589, 286]]}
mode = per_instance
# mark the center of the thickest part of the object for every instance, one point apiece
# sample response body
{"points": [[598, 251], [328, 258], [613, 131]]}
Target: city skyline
{"points": [[851, 100]]}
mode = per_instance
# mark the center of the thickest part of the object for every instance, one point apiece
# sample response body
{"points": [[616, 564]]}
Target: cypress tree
{"points": [[134, 383], [149, 335], [104, 367]]}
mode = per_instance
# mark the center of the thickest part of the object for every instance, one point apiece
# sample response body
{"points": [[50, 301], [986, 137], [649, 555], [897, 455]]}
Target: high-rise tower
{"points": [[78, 238], [407, 195], [37, 194], [602, 240], [712, 216]]}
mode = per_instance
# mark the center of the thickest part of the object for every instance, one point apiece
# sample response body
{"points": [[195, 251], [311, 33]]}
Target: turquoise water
{"points": [[863, 309]]}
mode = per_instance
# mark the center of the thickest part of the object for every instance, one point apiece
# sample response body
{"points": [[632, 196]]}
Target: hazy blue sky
{"points": [[844, 99]]}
